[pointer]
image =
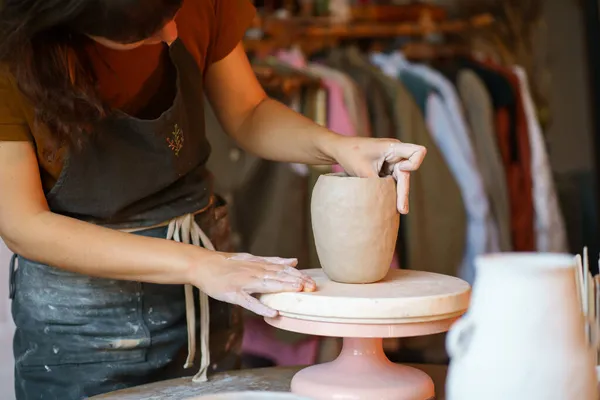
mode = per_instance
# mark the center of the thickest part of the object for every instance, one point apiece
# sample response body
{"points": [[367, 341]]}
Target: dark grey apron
{"points": [[78, 336]]}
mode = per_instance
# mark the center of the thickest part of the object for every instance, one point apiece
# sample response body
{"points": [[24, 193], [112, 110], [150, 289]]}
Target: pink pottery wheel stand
{"points": [[406, 303]]}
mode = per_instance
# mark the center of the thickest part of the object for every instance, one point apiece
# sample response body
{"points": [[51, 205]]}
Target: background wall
{"points": [[569, 136], [570, 133]]}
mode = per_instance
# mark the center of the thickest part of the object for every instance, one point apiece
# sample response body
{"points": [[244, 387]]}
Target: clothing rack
{"points": [[466, 200]]}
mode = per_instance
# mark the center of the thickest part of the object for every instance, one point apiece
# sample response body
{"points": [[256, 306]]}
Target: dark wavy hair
{"points": [[42, 41]]}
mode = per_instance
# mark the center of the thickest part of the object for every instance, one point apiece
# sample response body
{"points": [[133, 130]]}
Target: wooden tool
{"points": [[580, 281]]}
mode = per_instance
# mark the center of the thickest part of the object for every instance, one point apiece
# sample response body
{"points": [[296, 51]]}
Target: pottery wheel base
{"points": [[406, 303], [363, 372]]}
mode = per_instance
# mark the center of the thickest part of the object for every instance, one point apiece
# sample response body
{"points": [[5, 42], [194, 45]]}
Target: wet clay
{"points": [[355, 223]]}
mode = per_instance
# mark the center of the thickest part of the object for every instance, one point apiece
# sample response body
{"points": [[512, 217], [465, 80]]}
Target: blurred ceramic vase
{"points": [[355, 224], [524, 336]]}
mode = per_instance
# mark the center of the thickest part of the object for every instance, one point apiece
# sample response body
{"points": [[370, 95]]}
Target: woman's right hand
{"points": [[235, 277]]}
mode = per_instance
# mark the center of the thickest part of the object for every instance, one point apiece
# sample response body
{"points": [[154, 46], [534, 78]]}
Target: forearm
{"points": [[275, 132], [88, 249]]}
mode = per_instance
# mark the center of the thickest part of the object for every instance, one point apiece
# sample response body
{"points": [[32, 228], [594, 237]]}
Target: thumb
{"points": [[251, 303]]}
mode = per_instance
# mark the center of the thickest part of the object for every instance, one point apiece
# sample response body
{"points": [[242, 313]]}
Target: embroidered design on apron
{"points": [[176, 143]]}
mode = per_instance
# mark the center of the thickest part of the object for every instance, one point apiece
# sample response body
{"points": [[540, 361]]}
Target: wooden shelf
{"points": [[368, 22], [291, 28]]}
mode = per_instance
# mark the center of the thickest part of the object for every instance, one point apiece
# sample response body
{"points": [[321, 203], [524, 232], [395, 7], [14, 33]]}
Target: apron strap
{"points": [[185, 229], [11, 277]]}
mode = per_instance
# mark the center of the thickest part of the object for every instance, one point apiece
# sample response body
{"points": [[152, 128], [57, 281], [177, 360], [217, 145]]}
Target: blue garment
{"points": [[418, 87]]}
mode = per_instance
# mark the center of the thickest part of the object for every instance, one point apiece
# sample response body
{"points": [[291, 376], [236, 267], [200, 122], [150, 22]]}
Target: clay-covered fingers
{"points": [[273, 272], [277, 268], [263, 286], [291, 262], [266, 285], [270, 260], [290, 274], [244, 299]]}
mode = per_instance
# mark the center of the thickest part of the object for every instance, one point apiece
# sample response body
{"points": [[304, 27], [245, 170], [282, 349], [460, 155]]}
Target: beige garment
{"points": [[354, 99], [480, 114]]}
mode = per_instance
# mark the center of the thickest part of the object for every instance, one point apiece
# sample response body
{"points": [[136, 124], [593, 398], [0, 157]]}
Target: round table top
{"points": [[403, 296], [275, 379]]}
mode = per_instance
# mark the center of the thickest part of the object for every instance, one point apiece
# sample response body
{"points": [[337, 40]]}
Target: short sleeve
{"points": [[13, 124], [232, 20]]}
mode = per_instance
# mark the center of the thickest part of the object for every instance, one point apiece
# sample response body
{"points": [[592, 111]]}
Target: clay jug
{"points": [[355, 224], [524, 335]]}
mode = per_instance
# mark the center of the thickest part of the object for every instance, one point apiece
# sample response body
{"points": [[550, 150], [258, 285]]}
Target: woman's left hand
{"points": [[368, 157]]}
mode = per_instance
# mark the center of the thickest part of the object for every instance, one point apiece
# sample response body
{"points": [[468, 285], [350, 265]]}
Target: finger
{"points": [[266, 285], [271, 260], [282, 275], [280, 271], [408, 156], [252, 304], [402, 187], [309, 283], [292, 262]]}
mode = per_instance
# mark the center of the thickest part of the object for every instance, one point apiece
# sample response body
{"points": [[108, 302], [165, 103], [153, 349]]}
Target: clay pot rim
{"points": [[529, 261]]}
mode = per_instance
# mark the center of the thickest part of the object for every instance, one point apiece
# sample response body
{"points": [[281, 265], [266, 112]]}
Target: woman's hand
{"points": [[234, 278], [366, 157]]}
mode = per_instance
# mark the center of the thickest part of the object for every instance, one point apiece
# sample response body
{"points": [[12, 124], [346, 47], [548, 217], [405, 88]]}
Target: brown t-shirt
{"points": [[129, 80]]}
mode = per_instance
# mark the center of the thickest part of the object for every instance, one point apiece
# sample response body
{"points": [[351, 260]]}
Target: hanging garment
{"points": [[435, 227], [338, 118], [354, 98], [513, 142], [448, 128], [480, 114], [549, 223]]}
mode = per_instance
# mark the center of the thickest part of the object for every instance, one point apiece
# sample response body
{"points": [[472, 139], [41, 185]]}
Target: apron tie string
{"points": [[186, 230]]}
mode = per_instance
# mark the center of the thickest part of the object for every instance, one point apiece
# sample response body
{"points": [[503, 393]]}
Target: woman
{"points": [[102, 157]]}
